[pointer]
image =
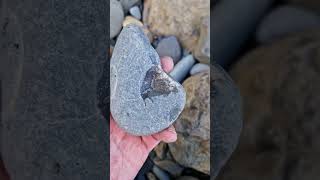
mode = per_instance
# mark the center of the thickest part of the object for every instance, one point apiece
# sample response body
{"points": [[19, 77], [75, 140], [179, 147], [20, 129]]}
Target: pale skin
{"points": [[128, 152]]}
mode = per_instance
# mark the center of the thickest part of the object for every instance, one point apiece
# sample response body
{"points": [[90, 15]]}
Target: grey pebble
{"points": [[232, 26], [198, 68], [169, 46], [116, 18], [181, 69], [135, 12], [144, 99], [285, 20], [160, 173], [127, 4]]}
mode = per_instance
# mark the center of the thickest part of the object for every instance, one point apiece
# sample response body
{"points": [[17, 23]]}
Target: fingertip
{"points": [[167, 63]]}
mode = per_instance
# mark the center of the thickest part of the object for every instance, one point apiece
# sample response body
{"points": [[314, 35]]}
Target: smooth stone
{"points": [[127, 4], [199, 68], [135, 12], [144, 99], [202, 51], [284, 21], [160, 173], [169, 46], [116, 18], [279, 83], [181, 69], [233, 26]]}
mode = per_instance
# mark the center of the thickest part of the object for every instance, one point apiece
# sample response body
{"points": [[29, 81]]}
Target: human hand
{"points": [[129, 152]]}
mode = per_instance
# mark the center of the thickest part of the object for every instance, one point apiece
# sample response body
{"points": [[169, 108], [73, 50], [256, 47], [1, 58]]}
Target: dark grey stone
{"points": [[169, 46], [232, 26], [286, 20], [226, 117], [51, 60], [144, 99]]}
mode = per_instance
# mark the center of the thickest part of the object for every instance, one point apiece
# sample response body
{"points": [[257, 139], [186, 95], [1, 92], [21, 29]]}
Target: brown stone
{"points": [[192, 149], [181, 18], [202, 51], [171, 167], [280, 87], [161, 150]]}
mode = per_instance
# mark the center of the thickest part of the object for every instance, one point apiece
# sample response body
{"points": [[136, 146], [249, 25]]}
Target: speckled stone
{"points": [[144, 99]]}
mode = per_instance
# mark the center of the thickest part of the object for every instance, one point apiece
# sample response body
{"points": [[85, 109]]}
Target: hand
{"points": [[129, 152]]}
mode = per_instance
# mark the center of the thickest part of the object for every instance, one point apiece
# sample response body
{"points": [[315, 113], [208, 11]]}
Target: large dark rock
{"points": [[52, 55], [280, 87]]}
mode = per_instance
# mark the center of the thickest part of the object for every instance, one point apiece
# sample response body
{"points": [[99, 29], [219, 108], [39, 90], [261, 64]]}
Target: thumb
{"points": [[168, 135]]}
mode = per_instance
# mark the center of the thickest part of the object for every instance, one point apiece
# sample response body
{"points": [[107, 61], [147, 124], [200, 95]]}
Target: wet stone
{"points": [[144, 99]]}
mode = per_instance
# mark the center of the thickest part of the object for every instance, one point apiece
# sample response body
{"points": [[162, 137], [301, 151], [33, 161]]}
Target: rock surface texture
{"points": [[51, 127], [144, 99], [192, 149], [280, 138], [181, 18]]}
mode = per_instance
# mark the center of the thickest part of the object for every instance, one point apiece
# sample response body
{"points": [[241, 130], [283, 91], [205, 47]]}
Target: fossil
{"points": [[144, 99]]}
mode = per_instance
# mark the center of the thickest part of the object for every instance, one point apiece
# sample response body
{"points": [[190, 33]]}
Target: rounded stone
{"points": [[198, 68], [116, 18], [280, 85], [192, 148], [284, 21], [169, 46], [181, 69], [144, 99]]}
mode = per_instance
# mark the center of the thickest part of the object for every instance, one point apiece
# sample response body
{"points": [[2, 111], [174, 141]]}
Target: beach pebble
{"points": [[181, 69], [232, 26], [116, 18], [127, 4], [198, 68], [169, 46], [144, 99], [135, 12], [285, 20]]}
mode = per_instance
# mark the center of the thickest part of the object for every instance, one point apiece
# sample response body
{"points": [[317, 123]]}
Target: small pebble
{"points": [[135, 12], [169, 46], [198, 68], [160, 173], [116, 18], [181, 69], [151, 176], [127, 4]]}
